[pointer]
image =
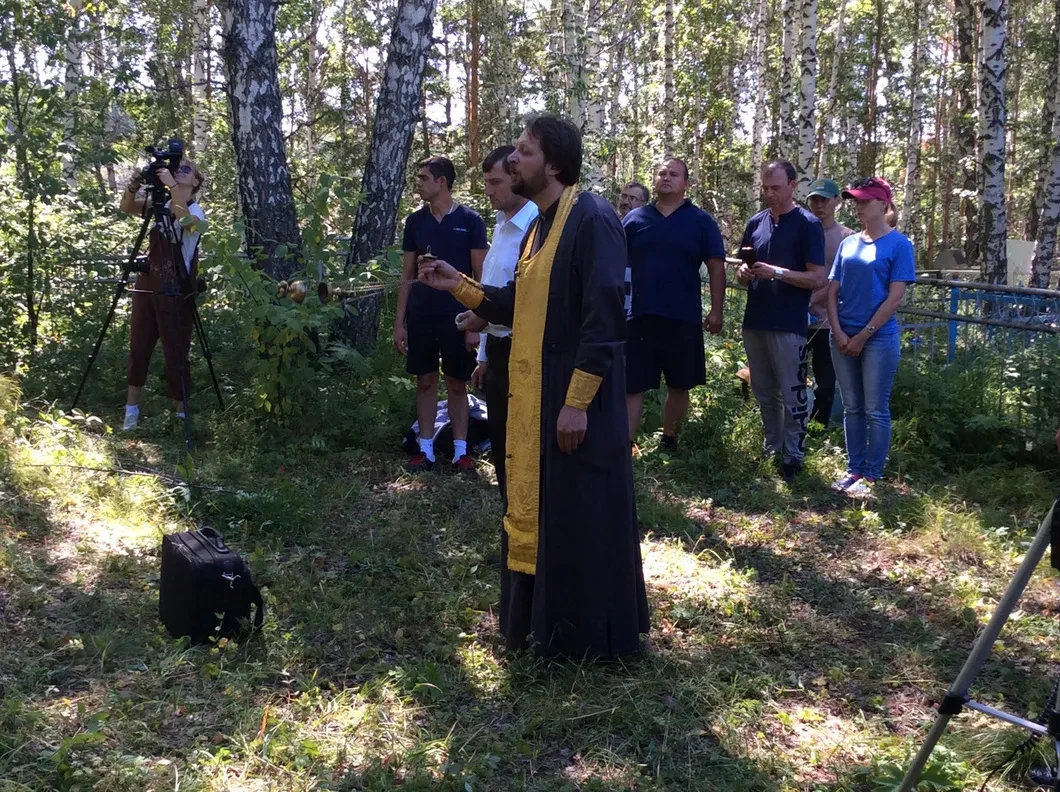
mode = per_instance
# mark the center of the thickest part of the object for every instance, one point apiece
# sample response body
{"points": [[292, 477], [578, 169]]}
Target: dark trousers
{"points": [[497, 352], [169, 318], [823, 376]]}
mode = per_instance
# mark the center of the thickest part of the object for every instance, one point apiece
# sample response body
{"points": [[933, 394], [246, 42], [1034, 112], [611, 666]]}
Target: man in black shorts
{"points": [[425, 326], [667, 241]]}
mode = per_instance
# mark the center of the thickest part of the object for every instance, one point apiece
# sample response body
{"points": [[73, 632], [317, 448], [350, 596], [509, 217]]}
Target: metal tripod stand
{"points": [[178, 289], [957, 696]]}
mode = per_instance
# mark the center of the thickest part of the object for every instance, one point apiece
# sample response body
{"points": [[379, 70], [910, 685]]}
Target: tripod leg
{"points": [[200, 331], [113, 306], [99, 341], [187, 407], [958, 692]]}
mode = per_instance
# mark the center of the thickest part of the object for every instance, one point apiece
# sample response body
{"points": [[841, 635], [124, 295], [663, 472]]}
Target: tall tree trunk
{"points": [[829, 100], [71, 89], [200, 26], [395, 120], [668, 78], [473, 94], [265, 198], [964, 127], [1045, 249], [906, 218], [593, 74], [992, 133], [312, 70], [1049, 128], [867, 163], [758, 132], [807, 94], [1014, 43], [785, 91]]}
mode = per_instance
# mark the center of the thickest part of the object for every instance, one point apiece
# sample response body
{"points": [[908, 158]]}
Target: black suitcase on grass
{"points": [[206, 589]]}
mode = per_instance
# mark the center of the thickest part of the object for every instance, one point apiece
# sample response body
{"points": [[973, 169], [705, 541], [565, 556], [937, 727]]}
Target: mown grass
{"points": [[798, 642]]}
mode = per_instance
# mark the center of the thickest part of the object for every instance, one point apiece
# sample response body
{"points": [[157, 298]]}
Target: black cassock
{"points": [[587, 596]]}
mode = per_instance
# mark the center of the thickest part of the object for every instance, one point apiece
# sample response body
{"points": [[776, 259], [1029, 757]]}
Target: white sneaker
{"points": [[862, 488], [131, 419]]}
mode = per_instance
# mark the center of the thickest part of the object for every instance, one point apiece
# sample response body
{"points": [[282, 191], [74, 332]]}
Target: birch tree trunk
{"points": [[474, 42], [593, 73], [264, 181], [823, 132], [758, 132], [807, 94], [1049, 129], [200, 27], [71, 89], [784, 90], [906, 219], [395, 121], [1045, 249], [964, 127], [668, 78], [312, 68], [992, 133]]}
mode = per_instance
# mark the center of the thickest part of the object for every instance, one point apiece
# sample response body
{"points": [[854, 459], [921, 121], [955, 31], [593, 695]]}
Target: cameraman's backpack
{"points": [[206, 589]]}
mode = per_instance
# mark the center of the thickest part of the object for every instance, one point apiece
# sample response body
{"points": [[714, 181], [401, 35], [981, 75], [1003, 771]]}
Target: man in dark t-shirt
{"points": [[788, 244], [425, 326], [668, 240]]}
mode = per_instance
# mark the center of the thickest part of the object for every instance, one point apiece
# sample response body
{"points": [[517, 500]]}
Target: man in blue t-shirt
{"points": [[667, 241], [425, 326], [788, 251]]}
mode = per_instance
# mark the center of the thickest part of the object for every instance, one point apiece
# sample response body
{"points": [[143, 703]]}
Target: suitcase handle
{"points": [[215, 538]]}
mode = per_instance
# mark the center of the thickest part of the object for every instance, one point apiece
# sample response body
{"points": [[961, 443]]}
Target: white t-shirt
{"points": [[188, 238]]}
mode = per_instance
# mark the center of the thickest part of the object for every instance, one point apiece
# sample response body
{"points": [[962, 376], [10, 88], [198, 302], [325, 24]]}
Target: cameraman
{"points": [[161, 300]]}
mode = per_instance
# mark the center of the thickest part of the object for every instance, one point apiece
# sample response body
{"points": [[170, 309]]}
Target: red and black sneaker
{"points": [[418, 463], [465, 465]]}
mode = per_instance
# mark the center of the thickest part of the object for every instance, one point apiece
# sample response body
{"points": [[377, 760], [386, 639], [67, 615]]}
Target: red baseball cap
{"points": [[872, 188]]}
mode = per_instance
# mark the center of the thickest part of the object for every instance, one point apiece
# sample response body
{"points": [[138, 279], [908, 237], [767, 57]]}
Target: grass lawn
{"points": [[799, 641]]}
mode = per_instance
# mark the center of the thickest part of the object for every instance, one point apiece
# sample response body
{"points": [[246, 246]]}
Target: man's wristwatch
{"points": [[778, 274], [870, 329]]}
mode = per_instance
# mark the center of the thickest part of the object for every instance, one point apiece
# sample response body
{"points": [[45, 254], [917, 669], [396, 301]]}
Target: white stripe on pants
{"points": [[778, 363]]}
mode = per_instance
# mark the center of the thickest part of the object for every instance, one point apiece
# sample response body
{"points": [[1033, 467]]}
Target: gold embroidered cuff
{"points": [[582, 389], [469, 293]]}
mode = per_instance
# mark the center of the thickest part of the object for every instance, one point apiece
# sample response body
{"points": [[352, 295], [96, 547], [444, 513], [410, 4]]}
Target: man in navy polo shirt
{"points": [[788, 243], [425, 326], [667, 242]]}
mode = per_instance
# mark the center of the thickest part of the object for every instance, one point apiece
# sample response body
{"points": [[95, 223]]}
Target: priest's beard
{"points": [[530, 184]]}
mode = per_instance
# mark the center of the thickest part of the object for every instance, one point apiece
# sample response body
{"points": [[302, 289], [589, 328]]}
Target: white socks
{"points": [[459, 449], [132, 416], [427, 448]]}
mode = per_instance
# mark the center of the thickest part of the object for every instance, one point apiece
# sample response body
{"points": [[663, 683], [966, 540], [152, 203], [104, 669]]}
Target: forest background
{"points": [[797, 639]]}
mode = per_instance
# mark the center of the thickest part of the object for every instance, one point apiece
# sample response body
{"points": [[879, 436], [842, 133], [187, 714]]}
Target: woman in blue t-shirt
{"points": [[867, 283]]}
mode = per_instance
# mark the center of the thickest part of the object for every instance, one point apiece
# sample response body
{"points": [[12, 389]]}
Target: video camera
{"points": [[168, 158]]}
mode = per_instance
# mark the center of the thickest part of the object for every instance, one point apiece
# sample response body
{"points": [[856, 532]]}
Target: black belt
{"points": [[493, 341]]}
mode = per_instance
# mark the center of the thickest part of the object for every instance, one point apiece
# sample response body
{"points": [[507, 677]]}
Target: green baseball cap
{"points": [[826, 188]]}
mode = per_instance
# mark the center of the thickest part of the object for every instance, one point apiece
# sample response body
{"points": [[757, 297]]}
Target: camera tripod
{"points": [[176, 289], [957, 696]]}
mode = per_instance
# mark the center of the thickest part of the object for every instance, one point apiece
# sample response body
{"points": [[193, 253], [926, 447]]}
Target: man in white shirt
{"points": [[514, 216]]}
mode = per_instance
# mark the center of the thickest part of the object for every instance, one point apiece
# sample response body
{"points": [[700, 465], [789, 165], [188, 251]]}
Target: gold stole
{"points": [[523, 463]]}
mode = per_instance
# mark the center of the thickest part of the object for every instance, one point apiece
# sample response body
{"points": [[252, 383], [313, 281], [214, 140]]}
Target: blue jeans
{"points": [[865, 383]]}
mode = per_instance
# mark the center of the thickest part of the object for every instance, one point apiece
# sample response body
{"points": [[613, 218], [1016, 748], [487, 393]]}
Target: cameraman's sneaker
{"points": [[132, 417]]}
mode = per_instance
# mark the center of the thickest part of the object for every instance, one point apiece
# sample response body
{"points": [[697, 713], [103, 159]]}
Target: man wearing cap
{"points": [[788, 247], [668, 241], [824, 200]]}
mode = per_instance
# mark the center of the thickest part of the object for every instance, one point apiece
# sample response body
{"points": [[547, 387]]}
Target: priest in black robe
{"points": [[572, 583]]}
